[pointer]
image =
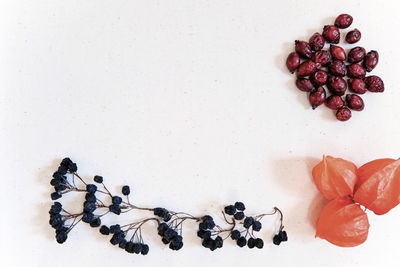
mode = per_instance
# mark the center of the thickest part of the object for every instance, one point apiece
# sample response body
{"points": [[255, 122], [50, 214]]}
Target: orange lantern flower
{"points": [[378, 187], [343, 223], [335, 177]]}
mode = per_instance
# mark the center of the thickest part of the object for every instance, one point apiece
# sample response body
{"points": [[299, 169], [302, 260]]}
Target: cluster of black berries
{"points": [[89, 206], [170, 236], [59, 181], [280, 237], [118, 238], [206, 231], [163, 214], [236, 210], [57, 222]]}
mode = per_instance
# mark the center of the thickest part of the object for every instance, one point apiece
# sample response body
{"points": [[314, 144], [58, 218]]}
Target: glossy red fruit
{"points": [[306, 68], [343, 21], [378, 188], [317, 42], [374, 84], [335, 177], [303, 49], [317, 97], [356, 54], [331, 34], [371, 60], [343, 223], [343, 114], [357, 86], [355, 102], [337, 52], [353, 36], [293, 62], [304, 84], [356, 71], [337, 68], [319, 78], [322, 57], [334, 102], [337, 85]]}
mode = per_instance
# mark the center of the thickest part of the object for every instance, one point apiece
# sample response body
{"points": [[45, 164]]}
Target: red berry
{"points": [[371, 60], [337, 68], [331, 34], [353, 36], [355, 71], [337, 52], [374, 84], [322, 57], [319, 78], [355, 102], [306, 68], [303, 48], [317, 97], [356, 54], [293, 62], [334, 102], [304, 84], [317, 42], [337, 85], [343, 21], [357, 86], [343, 114]]}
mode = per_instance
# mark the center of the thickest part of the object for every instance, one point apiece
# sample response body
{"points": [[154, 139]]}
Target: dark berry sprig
{"points": [[169, 223]]}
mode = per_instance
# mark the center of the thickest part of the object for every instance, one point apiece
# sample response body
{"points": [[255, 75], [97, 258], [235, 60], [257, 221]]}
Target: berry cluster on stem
{"points": [[129, 237]]}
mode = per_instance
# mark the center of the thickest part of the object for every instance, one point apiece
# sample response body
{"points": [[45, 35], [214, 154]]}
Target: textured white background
{"points": [[190, 103]]}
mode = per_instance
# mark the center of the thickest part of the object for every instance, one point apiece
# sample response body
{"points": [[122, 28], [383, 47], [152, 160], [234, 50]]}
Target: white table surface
{"points": [[190, 103]]}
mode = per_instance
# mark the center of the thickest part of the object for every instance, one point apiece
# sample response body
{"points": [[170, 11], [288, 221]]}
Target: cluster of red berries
{"points": [[329, 67]]}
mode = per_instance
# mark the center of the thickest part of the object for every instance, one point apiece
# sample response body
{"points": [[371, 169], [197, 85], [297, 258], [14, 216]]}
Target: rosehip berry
{"points": [[306, 68], [337, 85], [343, 21], [371, 60], [322, 57], [357, 86], [374, 84], [343, 114], [319, 78], [317, 42], [304, 84], [337, 52], [356, 54], [334, 102], [355, 102], [331, 34], [293, 62], [317, 97], [303, 49], [353, 36], [337, 68], [355, 71]]}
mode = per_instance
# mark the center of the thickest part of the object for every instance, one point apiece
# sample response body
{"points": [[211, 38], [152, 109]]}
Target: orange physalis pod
{"points": [[378, 188], [335, 177], [343, 223]]}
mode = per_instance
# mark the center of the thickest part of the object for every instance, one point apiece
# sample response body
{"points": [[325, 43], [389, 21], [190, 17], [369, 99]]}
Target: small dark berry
{"points": [[61, 237], [98, 179], [248, 222], [203, 234], [219, 241], [241, 242], [277, 240], [257, 226], [145, 249], [129, 247], [238, 215], [167, 217], [115, 209], [116, 200], [162, 227], [91, 188], [90, 197], [87, 217], [89, 206], [96, 222], [126, 191], [104, 230], [72, 167], [122, 244], [283, 236], [251, 243], [235, 234], [259, 243], [63, 169], [230, 210], [240, 206], [55, 196], [137, 248], [160, 212], [116, 228]]}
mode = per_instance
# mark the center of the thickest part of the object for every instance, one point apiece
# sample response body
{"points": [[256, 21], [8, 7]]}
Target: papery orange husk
{"points": [[335, 177], [378, 188], [343, 223]]}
